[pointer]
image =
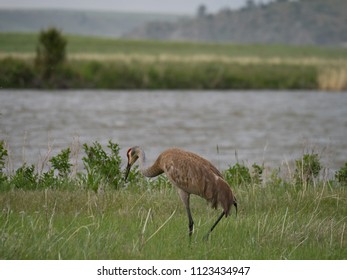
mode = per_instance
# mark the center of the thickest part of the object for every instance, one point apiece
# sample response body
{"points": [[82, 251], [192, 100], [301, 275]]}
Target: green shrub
{"points": [[238, 174], [102, 168], [25, 177], [341, 174], [16, 73], [3, 155], [61, 163], [50, 51], [257, 173], [307, 168]]}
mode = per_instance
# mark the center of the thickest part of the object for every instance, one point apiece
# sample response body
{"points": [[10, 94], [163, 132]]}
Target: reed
{"points": [[333, 79]]}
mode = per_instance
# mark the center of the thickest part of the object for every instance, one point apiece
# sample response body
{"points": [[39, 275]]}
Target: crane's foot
{"points": [[191, 228], [214, 225]]}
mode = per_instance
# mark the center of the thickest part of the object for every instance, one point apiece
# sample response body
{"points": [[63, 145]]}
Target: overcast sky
{"points": [[157, 6]]}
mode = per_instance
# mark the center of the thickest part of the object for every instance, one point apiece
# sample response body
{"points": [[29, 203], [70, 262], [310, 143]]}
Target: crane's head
{"points": [[133, 155]]}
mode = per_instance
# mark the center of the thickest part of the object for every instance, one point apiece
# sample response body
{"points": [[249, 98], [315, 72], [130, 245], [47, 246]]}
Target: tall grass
{"points": [[138, 74], [333, 78], [282, 217], [144, 223]]}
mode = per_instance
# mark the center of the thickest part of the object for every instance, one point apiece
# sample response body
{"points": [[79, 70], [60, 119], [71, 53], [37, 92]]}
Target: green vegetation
{"points": [[240, 174], [58, 214], [307, 168], [50, 52], [121, 64], [26, 43], [159, 75], [101, 168], [341, 175]]}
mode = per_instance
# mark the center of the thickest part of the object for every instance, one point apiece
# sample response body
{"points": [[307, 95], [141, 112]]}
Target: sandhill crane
{"points": [[191, 174]]}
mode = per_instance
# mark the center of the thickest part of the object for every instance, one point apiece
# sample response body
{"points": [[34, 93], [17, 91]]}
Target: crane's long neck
{"points": [[148, 171]]}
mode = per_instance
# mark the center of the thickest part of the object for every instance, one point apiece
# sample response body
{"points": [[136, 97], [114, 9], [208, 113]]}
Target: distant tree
{"points": [[50, 51], [202, 11]]}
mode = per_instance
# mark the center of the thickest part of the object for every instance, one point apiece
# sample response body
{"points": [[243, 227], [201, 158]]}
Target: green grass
{"points": [[136, 74], [27, 42], [61, 213], [144, 223]]}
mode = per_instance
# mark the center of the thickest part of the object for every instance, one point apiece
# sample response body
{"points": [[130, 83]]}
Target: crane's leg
{"points": [[214, 225], [185, 199], [191, 222]]}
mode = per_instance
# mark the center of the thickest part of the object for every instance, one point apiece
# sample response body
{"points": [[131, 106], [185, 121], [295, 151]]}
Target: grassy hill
{"points": [[112, 24]]}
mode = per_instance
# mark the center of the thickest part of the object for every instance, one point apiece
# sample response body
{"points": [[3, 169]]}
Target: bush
{"points": [[307, 168], [15, 73], [61, 163], [257, 173], [240, 174], [3, 155], [237, 175], [25, 177], [102, 168], [50, 51], [341, 174], [58, 175]]}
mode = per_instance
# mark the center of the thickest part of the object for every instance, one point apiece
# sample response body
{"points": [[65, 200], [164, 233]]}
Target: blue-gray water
{"points": [[261, 126]]}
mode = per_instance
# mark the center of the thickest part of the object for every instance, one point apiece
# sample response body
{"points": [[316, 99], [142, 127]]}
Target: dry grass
{"points": [[168, 57], [333, 79]]}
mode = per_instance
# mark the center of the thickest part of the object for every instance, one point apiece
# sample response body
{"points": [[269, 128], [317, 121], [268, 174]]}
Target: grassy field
{"points": [[125, 64], [25, 43], [146, 223], [58, 214]]}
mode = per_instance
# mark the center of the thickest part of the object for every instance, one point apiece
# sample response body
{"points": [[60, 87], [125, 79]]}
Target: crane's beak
{"points": [[127, 170]]}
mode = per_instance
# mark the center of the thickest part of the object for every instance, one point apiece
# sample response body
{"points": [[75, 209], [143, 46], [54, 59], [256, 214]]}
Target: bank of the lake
{"points": [[100, 63], [157, 74]]}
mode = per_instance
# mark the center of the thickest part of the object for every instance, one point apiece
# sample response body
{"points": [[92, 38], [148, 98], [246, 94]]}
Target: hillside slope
{"points": [[301, 22], [111, 24]]}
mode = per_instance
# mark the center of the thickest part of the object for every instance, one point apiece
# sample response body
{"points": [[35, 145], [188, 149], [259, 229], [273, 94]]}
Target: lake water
{"points": [[274, 127]]}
